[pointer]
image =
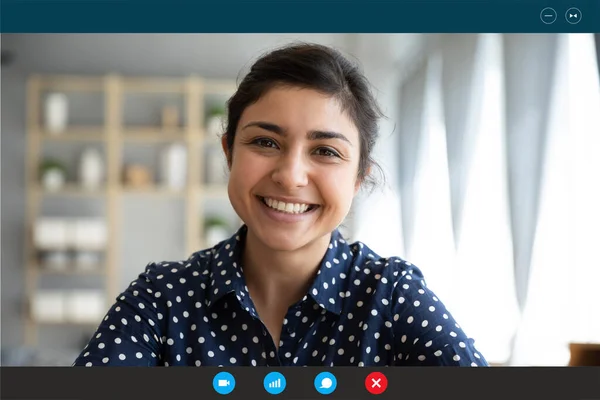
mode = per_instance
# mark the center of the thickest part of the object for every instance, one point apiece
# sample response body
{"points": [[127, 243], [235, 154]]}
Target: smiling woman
{"points": [[287, 288]]}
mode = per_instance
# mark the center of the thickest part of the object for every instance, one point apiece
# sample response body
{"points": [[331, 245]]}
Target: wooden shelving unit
{"points": [[113, 134]]}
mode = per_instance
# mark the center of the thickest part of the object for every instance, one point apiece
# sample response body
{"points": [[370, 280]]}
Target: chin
{"points": [[281, 242]]}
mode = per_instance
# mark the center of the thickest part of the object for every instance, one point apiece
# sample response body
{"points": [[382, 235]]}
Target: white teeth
{"points": [[291, 208]]}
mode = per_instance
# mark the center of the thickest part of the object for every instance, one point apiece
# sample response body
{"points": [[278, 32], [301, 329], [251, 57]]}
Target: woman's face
{"points": [[294, 168]]}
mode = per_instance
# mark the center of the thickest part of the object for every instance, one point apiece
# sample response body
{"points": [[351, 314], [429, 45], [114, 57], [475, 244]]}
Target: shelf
{"points": [[202, 245], [72, 83], [124, 140], [66, 322], [154, 191], [153, 134], [72, 190], [95, 249], [71, 268], [216, 87], [74, 134], [153, 85]]}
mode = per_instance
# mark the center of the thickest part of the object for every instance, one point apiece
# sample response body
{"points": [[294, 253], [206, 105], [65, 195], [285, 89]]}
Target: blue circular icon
{"points": [[274, 383], [325, 383], [573, 15], [224, 383], [548, 15]]}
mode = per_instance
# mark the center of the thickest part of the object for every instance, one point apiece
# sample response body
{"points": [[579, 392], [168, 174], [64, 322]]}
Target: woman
{"points": [[287, 289]]}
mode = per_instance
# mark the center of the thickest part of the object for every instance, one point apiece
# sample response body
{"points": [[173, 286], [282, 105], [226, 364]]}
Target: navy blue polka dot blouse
{"points": [[361, 310]]}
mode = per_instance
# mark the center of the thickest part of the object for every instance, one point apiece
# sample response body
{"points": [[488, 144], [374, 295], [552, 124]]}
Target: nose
{"points": [[291, 171]]}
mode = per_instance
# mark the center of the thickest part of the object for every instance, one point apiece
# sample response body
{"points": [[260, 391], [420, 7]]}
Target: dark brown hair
{"points": [[317, 67]]}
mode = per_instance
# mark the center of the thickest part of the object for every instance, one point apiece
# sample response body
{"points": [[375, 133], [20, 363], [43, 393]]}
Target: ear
{"points": [[226, 150], [359, 181]]}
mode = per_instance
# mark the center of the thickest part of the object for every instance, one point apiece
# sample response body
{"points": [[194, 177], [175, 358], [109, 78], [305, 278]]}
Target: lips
{"points": [[287, 207]]}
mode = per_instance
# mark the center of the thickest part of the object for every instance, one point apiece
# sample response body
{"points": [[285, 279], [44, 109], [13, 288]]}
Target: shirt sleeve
{"points": [[130, 333], [425, 333]]}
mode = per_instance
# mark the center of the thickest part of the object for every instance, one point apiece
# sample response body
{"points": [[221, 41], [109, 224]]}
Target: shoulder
{"points": [[176, 276], [386, 282], [392, 270], [167, 270]]}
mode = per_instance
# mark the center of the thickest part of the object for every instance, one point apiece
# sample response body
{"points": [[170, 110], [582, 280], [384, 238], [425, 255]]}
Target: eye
{"points": [[265, 142], [327, 152]]}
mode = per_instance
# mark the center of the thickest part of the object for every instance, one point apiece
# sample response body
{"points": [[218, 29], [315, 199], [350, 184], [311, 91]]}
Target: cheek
{"points": [[338, 187], [246, 169]]}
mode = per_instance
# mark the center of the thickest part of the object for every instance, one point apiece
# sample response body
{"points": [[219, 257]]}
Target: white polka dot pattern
{"points": [[361, 310]]}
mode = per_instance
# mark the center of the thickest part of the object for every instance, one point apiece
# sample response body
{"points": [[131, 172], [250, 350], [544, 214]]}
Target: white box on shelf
{"points": [[87, 261], [48, 306], [89, 233], [85, 306], [51, 233]]}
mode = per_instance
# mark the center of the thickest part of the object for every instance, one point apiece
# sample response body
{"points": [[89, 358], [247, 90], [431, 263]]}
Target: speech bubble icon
{"points": [[326, 383]]}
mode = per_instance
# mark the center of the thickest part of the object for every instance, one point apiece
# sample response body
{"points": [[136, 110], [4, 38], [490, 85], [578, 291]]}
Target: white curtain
{"points": [[432, 238], [489, 310], [500, 189], [563, 302]]}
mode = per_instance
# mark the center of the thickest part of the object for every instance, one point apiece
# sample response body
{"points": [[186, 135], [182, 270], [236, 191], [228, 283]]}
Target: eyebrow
{"points": [[312, 135]]}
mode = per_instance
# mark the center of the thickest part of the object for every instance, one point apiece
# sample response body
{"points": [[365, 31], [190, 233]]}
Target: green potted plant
{"points": [[216, 229], [53, 174]]}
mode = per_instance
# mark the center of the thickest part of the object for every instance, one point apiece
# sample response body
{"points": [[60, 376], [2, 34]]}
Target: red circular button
{"points": [[376, 383]]}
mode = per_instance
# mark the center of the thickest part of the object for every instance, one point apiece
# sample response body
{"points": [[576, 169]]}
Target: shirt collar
{"points": [[226, 274], [327, 290]]}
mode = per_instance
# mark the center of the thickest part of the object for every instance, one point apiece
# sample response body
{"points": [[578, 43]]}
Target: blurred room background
{"points": [[490, 150]]}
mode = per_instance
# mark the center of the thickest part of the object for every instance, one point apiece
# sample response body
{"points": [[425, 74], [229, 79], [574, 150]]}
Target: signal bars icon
{"points": [[276, 384]]}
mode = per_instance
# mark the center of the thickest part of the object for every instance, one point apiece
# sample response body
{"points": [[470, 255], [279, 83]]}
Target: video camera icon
{"points": [[223, 383]]}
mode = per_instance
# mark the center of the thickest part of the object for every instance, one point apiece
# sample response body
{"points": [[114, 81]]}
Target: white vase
{"points": [[91, 169], [56, 113], [53, 180], [173, 166]]}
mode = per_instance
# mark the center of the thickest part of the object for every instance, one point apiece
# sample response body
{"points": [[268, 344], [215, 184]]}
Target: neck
{"points": [[281, 277]]}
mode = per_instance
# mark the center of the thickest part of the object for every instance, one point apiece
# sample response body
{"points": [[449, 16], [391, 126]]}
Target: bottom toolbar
{"points": [[295, 383]]}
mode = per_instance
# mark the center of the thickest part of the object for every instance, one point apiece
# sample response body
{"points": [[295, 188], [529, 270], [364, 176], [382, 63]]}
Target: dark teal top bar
{"points": [[300, 16]]}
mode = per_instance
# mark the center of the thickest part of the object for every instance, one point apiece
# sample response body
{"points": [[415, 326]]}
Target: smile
{"points": [[288, 208]]}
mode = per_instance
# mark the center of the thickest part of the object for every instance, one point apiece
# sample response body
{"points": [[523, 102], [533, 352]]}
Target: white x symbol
{"points": [[375, 382]]}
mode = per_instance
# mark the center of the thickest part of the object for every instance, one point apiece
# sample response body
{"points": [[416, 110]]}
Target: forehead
{"points": [[300, 110]]}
